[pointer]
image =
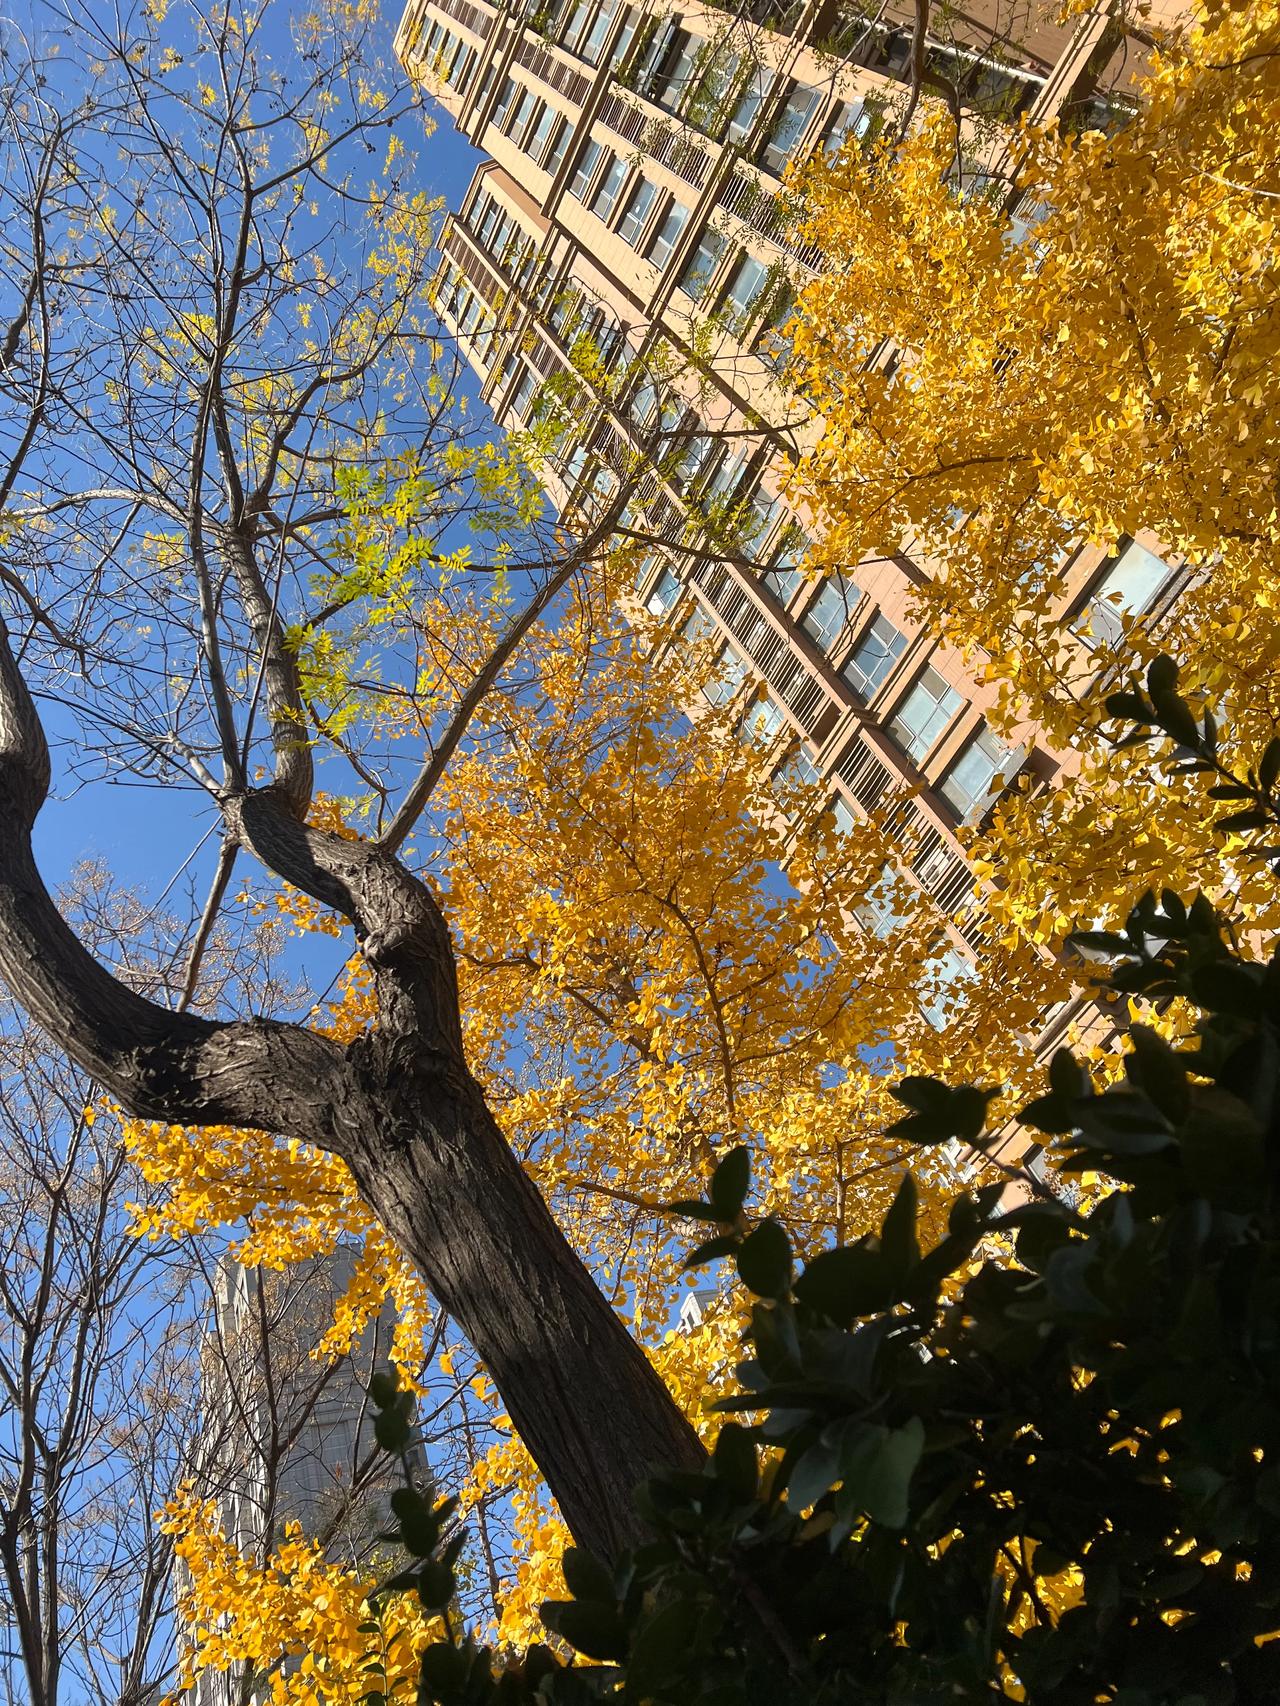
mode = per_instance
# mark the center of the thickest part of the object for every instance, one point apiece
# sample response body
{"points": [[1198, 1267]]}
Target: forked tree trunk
{"points": [[398, 1105]]}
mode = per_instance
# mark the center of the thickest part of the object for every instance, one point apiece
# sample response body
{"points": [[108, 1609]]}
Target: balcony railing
{"points": [[676, 152], [745, 198], [535, 58], [477, 19]]}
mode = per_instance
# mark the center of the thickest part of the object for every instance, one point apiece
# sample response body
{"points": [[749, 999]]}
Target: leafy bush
{"points": [[1046, 1471]]}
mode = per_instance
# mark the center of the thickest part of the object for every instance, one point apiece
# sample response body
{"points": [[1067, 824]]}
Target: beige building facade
{"points": [[634, 193]]}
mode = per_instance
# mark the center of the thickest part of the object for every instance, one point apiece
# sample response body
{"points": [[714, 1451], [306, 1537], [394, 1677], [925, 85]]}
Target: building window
{"points": [[873, 657], [523, 113], [717, 493], [606, 197], [702, 264], [695, 454], [665, 72], [759, 516], [668, 234], [843, 815], [951, 972], [790, 125], [797, 770], [746, 286], [977, 776], [828, 616], [522, 396], [775, 346], [880, 912], [644, 402], [763, 722], [783, 576], [559, 147], [698, 627], [540, 135], [731, 672], [747, 111], [923, 714], [716, 83], [1126, 589], [639, 204], [664, 596], [626, 36], [858, 120], [586, 170], [593, 42]]}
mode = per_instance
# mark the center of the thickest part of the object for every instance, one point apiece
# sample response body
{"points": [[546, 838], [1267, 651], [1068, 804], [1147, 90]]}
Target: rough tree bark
{"points": [[399, 1106]]}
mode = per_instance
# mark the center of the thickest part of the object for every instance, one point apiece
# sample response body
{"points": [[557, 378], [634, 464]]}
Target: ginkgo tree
{"points": [[247, 518], [1086, 352], [221, 343]]}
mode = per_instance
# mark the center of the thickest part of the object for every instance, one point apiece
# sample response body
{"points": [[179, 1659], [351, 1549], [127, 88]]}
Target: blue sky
{"points": [[150, 836]]}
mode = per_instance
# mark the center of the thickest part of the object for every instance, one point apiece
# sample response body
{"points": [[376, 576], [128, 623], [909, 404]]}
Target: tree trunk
{"points": [[399, 1106], [580, 1392]]}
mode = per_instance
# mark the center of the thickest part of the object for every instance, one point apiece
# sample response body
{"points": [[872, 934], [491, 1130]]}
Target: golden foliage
{"points": [[1108, 372]]}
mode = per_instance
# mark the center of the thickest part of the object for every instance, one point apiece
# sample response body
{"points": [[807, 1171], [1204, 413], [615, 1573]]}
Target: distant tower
{"points": [[693, 1310], [288, 1434]]}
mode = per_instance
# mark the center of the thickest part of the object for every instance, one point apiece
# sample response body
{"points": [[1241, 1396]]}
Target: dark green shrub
{"points": [[1048, 1471]]}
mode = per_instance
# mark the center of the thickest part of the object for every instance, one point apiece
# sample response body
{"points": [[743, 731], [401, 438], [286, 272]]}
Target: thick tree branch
{"points": [[158, 1064]]}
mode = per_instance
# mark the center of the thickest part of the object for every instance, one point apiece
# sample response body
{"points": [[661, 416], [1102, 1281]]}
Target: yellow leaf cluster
{"points": [[295, 1620]]}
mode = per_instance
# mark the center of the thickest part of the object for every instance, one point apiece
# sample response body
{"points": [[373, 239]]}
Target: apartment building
{"points": [[634, 195]]}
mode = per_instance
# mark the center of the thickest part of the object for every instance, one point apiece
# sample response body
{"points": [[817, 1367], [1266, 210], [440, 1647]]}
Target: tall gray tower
{"points": [[289, 1433]]}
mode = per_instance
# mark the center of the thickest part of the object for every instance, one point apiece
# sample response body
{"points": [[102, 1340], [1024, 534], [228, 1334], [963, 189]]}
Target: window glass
{"points": [[854, 119], [639, 202], [783, 577], [506, 100], [694, 456], [775, 346], [650, 55], [788, 128], [559, 147], [522, 394], [975, 777], [625, 38], [668, 233], [675, 75], [606, 197], [716, 86], [763, 722], [698, 626], [881, 911], [797, 770], [664, 595], [524, 112], [720, 487], [703, 263], [923, 714], [731, 671], [828, 616], [951, 971], [1126, 590], [749, 103], [873, 657], [644, 402], [843, 814], [745, 286], [586, 169], [541, 132], [594, 43], [577, 18]]}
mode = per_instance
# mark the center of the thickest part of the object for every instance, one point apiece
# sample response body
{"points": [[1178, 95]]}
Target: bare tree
{"points": [[174, 540], [100, 1395]]}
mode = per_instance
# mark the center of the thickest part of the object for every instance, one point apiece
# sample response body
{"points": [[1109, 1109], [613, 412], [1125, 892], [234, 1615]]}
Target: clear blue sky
{"points": [[145, 835]]}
